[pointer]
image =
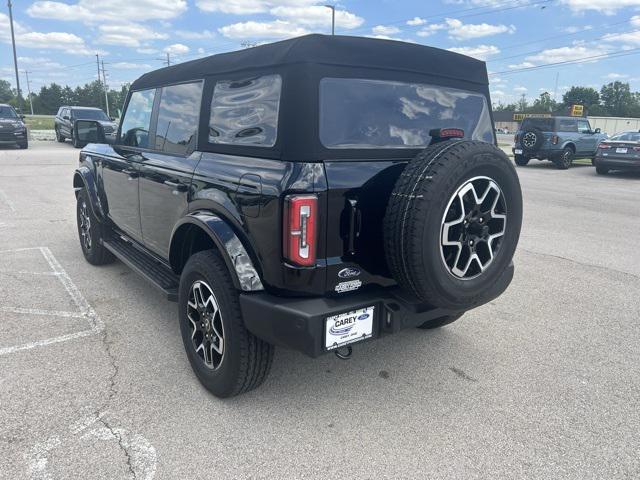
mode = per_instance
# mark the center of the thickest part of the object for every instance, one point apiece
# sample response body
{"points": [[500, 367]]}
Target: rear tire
{"points": [[565, 159], [440, 322], [602, 170], [23, 145], [245, 360], [91, 232], [59, 137], [521, 160]]}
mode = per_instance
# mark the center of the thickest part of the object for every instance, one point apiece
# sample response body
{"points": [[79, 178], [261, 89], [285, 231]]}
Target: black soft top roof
{"points": [[359, 52]]}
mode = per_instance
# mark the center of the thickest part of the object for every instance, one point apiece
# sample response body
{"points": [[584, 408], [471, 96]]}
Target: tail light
{"points": [[300, 225], [604, 146], [554, 139]]}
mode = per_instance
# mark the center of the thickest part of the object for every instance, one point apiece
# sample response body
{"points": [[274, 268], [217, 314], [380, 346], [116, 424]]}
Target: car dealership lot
{"points": [[541, 383]]}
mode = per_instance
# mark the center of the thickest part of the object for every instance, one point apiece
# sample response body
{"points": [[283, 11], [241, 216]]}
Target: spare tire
{"points": [[532, 139], [452, 223]]}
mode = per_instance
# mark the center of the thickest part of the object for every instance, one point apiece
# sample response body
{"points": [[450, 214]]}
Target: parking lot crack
{"points": [[122, 443]]}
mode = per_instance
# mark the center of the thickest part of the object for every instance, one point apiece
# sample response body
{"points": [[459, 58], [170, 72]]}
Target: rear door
{"points": [[167, 168], [120, 172]]}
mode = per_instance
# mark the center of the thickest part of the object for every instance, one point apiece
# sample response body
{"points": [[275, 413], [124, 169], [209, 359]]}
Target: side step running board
{"points": [[155, 272]]}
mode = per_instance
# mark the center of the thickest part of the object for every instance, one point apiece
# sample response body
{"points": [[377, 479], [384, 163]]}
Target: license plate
{"points": [[346, 328], [518, 151], [621, 150]]}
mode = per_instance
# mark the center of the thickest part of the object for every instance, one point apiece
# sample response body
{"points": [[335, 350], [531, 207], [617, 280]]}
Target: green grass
{"points": [[39, 122]]}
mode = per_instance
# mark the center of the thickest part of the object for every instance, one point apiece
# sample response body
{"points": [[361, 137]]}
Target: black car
{"points": [[620, 152], [67, 116], [13, 131], [311, 193]]}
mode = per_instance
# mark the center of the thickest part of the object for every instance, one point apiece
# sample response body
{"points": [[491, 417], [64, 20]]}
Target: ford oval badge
{"points": [[349, 272]]}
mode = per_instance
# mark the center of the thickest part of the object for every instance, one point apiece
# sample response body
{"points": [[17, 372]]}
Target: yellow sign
{"points": [[518, 117], [577, 110]]}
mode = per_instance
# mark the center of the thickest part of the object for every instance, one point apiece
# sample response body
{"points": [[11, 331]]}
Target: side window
{"points": [[178, 116], [567, 125], [245, 112], [583, 126], [137, 118]]}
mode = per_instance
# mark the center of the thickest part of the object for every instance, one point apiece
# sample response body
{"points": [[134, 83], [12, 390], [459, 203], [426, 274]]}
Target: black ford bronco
{"points": [[311, 193]]}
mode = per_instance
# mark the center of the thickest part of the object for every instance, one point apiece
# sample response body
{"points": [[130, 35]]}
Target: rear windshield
{"points": [[89, 115], [544, 124], [357, 113]]}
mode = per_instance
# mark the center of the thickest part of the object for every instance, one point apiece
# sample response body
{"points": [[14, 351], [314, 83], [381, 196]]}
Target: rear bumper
{"points": [[299, 323], [542, 153], [617, 162]]}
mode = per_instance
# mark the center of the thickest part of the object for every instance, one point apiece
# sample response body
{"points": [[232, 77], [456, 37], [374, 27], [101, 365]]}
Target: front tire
{"points": [[74, 140], [91, 232], [227, 358], [601, 170], [24, 145], [59, 137]]}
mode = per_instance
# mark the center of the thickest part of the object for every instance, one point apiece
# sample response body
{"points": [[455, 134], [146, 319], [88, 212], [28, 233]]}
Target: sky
{"points": [[526, 43]]}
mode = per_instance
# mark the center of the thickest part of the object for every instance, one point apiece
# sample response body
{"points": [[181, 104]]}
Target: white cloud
{"points": [[481, 52], [625, 39], [127, 34], [129, 66], [147, 51], [576, 29], [316, 16], [92, 12], [520, 89], [384, 30], [460, 31], [387, 37], [608, 7], [67, 42], [616, 76], [176, 49], [253, 30], [190, 35], [564, 54], [431, 29], [244, 7], [39, 62], [415, 21], [522, 65]]}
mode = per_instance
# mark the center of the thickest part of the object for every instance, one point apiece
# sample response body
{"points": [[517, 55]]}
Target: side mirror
{"points": [[113, 119], [597, 130], [89, 131], [21, 117], [66, 117]]}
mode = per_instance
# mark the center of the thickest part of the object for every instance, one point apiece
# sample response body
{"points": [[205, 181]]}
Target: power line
{"points": [[577, 61]]}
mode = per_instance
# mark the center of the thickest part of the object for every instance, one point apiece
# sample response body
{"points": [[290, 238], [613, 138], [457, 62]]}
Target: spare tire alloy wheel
{"points": [[529, 140], [453, 222], [532, 140], [472, 227], [207, 331]]}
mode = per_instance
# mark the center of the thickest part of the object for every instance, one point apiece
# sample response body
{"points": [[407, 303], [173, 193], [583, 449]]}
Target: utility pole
{"points": [[15, 58], [333, 18], [555, 89], [29, 91], [99, 80], [168, 60], [106, 89]]}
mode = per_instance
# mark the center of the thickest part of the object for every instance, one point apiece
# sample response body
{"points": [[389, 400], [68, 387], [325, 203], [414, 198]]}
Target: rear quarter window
{"points": [[544, 124], [245, 112]]}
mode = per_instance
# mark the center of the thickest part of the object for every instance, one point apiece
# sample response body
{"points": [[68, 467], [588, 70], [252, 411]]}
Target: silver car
{"points": [[620, 152]]}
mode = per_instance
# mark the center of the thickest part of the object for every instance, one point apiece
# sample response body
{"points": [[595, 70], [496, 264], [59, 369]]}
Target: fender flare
{"points": [[243, 273], [569, 143], [83, 179]]}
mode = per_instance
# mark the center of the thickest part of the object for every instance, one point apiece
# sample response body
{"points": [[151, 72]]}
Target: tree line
{"points": [[51, 97], [614, 99]]}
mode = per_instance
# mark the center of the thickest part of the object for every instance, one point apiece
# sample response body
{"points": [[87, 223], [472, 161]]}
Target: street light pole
{"points": [[333, 18], [15, 58], [29, 91]]}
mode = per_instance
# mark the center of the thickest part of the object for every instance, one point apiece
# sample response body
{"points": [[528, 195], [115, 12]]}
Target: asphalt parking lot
{"points": [[541, 383]]}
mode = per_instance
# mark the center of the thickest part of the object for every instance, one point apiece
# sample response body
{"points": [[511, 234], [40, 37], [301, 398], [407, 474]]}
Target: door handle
{"points": [[177, 186]]}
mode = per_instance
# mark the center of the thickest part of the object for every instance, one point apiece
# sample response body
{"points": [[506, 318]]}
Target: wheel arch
{"points": [[202, 230], [83, 179], [569, 144]]}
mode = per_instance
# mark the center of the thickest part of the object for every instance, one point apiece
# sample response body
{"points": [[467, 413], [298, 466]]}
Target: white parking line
{"points": [[85, 310]]}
